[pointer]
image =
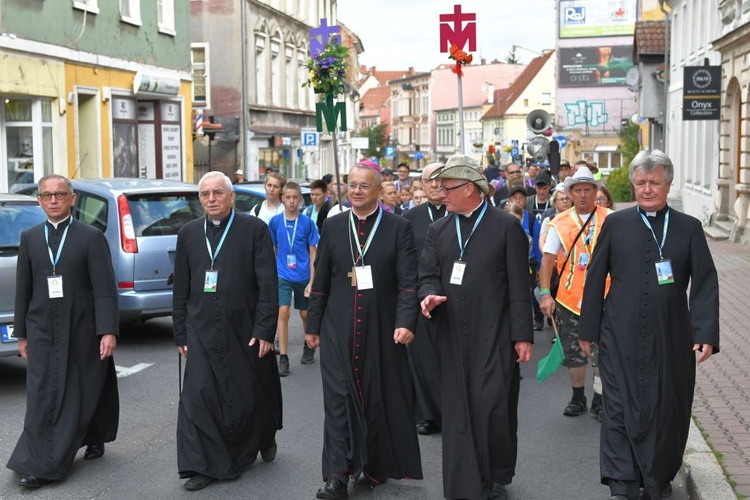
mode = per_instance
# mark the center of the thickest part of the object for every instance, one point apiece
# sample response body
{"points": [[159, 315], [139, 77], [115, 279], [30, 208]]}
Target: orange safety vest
{"points": [[567, 225]]}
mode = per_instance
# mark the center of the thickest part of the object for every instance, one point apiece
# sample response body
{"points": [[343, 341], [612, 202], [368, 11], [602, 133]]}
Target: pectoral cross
{"points": [[353, 276]]}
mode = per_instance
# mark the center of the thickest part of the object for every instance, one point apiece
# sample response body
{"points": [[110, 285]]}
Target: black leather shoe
{"points": [[198, 482], [427, 427], [618, 497], [32, 481], [575, 408], [499, 492], [93, 451], [335, 489], [269, 453]]}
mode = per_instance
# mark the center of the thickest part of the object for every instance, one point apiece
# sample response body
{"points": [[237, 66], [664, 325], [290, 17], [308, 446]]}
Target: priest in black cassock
{"points": [[66, 320], [649, 331], [225, 310], [423, 356], [363, 311], [474, 282]]}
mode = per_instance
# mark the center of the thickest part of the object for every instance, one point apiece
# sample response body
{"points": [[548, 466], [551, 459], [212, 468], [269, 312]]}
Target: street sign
{"points": [[419, 155], [360, 142], [390, 151], [514, 150], [309, 137], [562, 140]]}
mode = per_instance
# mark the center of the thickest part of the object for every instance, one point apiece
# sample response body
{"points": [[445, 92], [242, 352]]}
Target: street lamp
{"points": [[514, 47]]}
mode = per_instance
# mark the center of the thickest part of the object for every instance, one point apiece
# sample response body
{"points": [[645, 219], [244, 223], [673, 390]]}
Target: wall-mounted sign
{"points": [[701, 94], [604, 66], [166, 85], [592, 18]]}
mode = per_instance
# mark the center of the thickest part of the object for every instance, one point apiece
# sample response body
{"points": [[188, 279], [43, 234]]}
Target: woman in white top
{"points": [[272, 205]]}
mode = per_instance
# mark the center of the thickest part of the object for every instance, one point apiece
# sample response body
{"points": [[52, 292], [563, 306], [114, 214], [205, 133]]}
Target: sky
{"points": [[397, 34]]}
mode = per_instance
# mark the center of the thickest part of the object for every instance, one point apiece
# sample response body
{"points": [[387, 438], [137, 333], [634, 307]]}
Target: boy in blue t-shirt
{"points": [[295, 238]]}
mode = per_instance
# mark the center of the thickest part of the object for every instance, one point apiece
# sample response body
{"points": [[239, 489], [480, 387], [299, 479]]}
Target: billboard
{"points": [[592, 18], [604, 66]]}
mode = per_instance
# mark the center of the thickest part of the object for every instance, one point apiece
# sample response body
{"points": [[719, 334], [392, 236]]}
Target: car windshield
{"points": [[163, 214], [15, 219]]}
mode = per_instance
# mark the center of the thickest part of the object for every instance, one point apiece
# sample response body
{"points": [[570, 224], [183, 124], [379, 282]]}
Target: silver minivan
{"points": [[140, 219]]}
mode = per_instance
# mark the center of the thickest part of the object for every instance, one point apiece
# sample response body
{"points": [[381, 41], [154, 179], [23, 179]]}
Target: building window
{"points": [[199, 62], [165, 16], [27, 140], [130, 11], [87, 5]]}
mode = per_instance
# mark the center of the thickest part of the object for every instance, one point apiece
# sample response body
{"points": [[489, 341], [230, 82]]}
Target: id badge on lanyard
{"points": [[55, 286], [211, 282]]}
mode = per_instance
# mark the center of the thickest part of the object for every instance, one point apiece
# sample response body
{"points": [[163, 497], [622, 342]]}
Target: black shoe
{"points": [[575, 408], [269, 453], [283, 366], [198, 482], [308, 355], [93, 451], [427, 427], [335, 489], [499, 492], [667, 492], [32, 481], [596, 407], [539, 324], [618, 497]]}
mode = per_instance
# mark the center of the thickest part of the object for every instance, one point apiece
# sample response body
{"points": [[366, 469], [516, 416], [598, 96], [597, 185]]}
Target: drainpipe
{"points": [[666, 73]]}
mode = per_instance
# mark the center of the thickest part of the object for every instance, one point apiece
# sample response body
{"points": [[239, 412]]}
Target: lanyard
{"points": [[221, 241], [536, 204], [363, 251], [588, 239], [294, 233], [56, 258], [663, 233], [461, 245], [432, 217]]}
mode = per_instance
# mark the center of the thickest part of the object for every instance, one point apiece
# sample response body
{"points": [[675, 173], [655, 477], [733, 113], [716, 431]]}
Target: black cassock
{"points": [[423, 355], [230, 407], [477, 329], [646, 332], [367, 387], [71, 395]]}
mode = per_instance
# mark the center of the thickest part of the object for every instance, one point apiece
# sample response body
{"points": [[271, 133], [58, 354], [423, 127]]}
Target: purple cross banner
{"points": [[320, 36]]}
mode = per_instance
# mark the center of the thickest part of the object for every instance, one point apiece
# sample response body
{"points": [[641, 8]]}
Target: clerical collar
{"points": [[658, 213], [468, 215], [436, 207], [220, 222], [56, 224], [362, 219]]}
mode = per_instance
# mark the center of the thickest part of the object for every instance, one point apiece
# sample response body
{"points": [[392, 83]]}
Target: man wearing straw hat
{"points": [[571, 239], [474, 282]]}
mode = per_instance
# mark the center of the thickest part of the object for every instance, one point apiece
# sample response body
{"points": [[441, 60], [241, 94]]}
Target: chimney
{"points": [[411, 70], [490, 92], [484, 61]]}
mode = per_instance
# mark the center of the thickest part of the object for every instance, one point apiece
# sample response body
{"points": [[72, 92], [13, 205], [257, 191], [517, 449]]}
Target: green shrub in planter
{"points": [[618, 184]]}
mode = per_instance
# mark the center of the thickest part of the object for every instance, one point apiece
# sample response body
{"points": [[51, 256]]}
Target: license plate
{"points": [[8, 334]]}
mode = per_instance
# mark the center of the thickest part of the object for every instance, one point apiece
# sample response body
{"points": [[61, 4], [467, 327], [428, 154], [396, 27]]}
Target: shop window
{"points": [[26, 142]]}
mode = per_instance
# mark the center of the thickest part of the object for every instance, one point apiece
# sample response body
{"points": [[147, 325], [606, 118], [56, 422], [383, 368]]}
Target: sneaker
{"points": [[596, 407], [283, 366], [308, 355], [539, 324], [575, 408]]}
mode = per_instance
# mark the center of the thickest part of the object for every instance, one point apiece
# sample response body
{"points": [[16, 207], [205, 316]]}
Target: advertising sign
{"points": [[605, 66], [701, 94], [592, 18]]}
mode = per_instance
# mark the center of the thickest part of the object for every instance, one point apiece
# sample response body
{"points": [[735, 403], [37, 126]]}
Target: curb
{"points": [[705, 477]]}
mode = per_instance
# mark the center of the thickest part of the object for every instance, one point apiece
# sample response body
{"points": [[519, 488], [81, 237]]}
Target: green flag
{"points": [[551, 362]]}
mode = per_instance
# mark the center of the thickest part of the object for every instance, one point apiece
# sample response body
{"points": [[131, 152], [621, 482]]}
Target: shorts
{"points": [[285, 294], [567, 327]]}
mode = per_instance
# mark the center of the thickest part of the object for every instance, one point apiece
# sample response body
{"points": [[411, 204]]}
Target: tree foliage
{"points": [[378, 140], [512, 57], [629, 143]]}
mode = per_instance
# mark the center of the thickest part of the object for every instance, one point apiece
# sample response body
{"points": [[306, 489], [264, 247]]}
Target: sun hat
{"points": [[464, 167]]}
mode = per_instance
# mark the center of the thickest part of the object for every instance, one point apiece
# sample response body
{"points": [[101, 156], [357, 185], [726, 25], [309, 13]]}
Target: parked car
{"points": [[249, 194], [140, 219], [17, 214]]}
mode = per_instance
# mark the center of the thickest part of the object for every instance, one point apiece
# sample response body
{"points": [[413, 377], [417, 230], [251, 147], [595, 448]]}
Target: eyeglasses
{"points": [[603, 199], [363, 187], [511, 172], [562, 199], [59, 195], [217, 193], [448, 190]]}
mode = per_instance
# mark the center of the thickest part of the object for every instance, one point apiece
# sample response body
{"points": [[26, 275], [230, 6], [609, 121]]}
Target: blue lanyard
{"points": [[221, 241], [56, 258], [663, 233], [294, 233], [432, 217], [461, 245], [363, 251]]}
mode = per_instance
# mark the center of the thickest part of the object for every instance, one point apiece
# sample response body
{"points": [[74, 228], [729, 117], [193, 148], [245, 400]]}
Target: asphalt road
{"points": [[558, 456]]}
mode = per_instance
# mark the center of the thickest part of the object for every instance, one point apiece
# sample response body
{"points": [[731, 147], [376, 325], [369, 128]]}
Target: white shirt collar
{"points": [[55, 224], [366, 216], [475, 209]]}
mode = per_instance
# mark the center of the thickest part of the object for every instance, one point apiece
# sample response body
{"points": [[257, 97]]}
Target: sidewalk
{"points": [[722, 391]]}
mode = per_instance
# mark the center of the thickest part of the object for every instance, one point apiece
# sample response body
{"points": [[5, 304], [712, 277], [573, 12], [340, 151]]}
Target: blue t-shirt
{"points": [[296, 268]]}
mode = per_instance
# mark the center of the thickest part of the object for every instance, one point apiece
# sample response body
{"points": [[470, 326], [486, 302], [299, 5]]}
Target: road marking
{"points": [[124, 371]]}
